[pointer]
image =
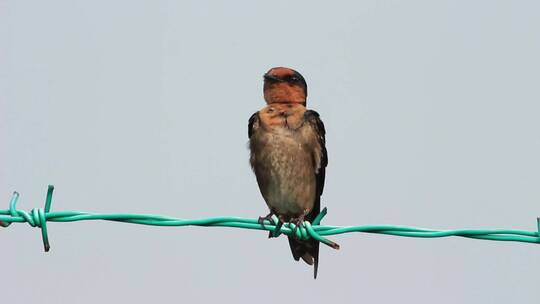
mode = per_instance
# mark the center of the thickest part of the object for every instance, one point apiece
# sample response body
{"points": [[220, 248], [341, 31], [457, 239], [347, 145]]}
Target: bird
{"points": [[288, 155]]}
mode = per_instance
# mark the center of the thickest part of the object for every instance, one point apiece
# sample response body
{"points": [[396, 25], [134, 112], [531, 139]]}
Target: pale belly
{"points": [[285, 174]]}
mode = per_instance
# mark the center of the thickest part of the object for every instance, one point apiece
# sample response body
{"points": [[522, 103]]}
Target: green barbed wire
{"points": [[38, 217]]}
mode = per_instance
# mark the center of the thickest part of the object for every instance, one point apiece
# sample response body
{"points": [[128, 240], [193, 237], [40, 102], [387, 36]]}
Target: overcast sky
{"points": [[432, 112]]}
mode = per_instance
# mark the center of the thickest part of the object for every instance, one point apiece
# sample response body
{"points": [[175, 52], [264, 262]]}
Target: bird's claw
{"points": [[298, 223], [265, 218], [273, 220]]}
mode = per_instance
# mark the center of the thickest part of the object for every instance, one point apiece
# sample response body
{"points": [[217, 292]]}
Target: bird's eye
{"points": [[294, 79]]}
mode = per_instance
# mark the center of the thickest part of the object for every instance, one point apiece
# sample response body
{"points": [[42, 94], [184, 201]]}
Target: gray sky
{"points": [[431, 109]]}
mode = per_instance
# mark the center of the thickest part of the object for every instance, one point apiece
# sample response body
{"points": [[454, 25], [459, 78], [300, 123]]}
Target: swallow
{"points": [[288, 156]]}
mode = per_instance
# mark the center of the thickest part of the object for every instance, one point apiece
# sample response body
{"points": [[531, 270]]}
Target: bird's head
{"points": [[284, 85]]}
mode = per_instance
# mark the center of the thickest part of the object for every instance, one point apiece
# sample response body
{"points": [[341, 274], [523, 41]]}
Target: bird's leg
{"points": [[298, 222]]}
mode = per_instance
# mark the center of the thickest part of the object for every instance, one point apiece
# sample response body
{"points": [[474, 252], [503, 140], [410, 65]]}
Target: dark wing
{"points": [[253, 123], [312, 118], [309, 250]]}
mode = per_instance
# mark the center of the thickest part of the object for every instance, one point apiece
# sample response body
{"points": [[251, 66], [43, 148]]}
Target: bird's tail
{"points": [[308, 250]]}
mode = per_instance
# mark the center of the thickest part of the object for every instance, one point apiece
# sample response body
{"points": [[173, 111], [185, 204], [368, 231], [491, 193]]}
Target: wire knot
{"points": [[36, 218]]}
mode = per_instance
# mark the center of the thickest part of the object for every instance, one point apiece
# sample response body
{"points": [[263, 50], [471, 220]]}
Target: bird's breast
{"points": [[283, 164]]}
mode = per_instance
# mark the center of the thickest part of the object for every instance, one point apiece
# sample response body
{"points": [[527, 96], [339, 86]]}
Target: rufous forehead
{"points": [[281, 72]]}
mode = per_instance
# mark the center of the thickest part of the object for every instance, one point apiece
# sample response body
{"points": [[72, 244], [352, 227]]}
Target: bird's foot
{"points": [[298, 223], [273, 219], [266, 218]]}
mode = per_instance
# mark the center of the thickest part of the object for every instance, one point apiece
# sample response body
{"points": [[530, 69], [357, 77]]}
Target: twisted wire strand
{"points": [[38, 217]]}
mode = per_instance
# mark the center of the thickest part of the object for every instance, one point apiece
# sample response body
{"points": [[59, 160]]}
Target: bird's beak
{"points": [[271, 77]]}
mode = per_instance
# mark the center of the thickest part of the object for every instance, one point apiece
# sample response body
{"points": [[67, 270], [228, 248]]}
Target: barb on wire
{"points": [[38, 217]]}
